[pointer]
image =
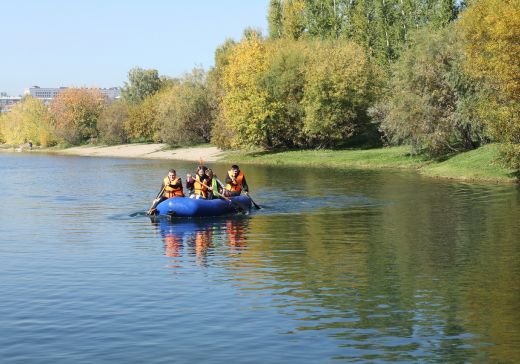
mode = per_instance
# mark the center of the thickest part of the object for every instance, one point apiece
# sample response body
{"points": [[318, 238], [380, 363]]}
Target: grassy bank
{"points": [[477, 165], [395, 157]]}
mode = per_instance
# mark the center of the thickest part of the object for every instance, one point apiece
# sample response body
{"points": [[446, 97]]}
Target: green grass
{"points": [[476, 165], [394, 157]]}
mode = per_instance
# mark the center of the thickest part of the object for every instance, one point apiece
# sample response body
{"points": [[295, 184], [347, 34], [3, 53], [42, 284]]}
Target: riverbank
{"points": [[207, 153], [477, 165]]}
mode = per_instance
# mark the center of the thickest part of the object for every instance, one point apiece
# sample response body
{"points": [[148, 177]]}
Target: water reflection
{"points": [[199, 237]]}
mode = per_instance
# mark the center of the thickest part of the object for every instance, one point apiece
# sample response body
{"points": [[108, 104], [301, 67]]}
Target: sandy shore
{"points": [[142, 151]]}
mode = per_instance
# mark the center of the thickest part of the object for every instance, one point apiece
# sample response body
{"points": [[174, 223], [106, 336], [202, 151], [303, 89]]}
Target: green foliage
{"points": [[284, 81], [141, 84], [381, 26], [274, 19], [29, 120], [111, 123], [340, 85], [75, 113], [185, 111], [430, 102]]}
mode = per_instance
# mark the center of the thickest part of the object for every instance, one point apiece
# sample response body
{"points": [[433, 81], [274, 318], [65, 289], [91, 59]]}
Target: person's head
{"points": [[209, 173], [235, 169], [172, 174], [201, 170]]}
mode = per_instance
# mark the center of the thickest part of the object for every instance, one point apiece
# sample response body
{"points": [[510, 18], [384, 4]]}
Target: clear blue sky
{"points": [[91, 43]]}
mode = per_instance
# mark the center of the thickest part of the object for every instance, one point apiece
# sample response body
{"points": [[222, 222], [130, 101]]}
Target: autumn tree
{"points": [[221, 133], [184, 110], [29, 120], [111, 122], [142, 124], [245, 107], [491, 30], [75, 112]]}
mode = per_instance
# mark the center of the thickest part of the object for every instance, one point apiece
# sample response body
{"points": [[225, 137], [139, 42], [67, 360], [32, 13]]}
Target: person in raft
{"points": [[171, 187], [199, 184], [215, 187], [235, 182]]}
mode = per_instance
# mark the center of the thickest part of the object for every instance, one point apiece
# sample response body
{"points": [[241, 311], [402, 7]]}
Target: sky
{"points": [[94, 43]]}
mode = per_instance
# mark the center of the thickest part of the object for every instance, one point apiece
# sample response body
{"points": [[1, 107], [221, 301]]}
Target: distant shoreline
{"points": [[474, 166], [141, 151]]}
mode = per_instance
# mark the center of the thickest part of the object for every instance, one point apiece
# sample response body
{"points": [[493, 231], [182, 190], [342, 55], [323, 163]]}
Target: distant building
{"points": [[47, 93], [7, 102]]}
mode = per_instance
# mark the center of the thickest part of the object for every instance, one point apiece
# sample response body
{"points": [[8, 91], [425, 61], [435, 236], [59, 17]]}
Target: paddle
{"points": [[150, 210], [254, 203]]}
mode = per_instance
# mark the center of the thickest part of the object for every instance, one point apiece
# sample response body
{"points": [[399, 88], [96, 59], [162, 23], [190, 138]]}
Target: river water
{"points": [[337, 266]]}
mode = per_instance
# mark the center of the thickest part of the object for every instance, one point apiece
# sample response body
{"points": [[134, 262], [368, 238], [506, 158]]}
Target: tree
{"points": [[221, 133], [142, 124], [75, 112], [430, 101], [284, 80], [491, 30], [141, 84], [29, 120], [293, 15], [274, 19], [246, 108], [111, 123], [185, 111], [340, 85]]}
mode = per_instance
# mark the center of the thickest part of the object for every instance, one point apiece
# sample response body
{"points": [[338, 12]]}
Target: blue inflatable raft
{"points": [[190, 207]]}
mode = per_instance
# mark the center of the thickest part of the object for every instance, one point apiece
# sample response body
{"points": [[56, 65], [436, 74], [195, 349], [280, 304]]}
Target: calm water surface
{"points": [[355, 266]]}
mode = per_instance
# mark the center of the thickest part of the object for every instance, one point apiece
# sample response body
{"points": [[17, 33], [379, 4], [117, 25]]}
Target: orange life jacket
{"points": [[238, 181], [200, 189], [170, 192]]}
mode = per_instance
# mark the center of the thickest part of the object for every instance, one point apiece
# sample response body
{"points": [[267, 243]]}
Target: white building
{"points": [[7, 102], [48, 93]]}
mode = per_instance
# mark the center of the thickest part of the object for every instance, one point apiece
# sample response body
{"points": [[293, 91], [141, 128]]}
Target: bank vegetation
{"points": [[442, 76]]}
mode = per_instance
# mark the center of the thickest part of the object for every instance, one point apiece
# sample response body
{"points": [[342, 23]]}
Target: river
{"points": [[337, 266]]}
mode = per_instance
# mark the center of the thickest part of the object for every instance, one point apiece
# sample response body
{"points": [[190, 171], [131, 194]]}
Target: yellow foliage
{"points": [[293, 18], [246, 107], [142, 124], [491, 29], [75, 112], [28, 120]]}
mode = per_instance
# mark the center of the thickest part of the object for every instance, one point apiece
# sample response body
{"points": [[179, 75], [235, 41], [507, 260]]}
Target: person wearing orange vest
{"points": [[171, 187], [199, 184], [235, 182]]}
